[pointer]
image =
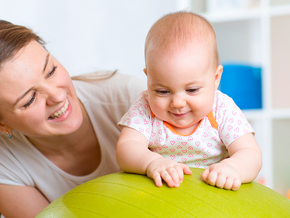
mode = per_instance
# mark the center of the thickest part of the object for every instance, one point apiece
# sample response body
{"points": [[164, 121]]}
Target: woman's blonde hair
{"points": [[13, 38], [99, 75]]}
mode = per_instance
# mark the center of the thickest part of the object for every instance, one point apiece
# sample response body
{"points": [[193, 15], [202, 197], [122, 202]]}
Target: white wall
{"points": [[89, 35]]}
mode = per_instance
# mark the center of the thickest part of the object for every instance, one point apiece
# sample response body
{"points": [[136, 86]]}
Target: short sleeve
{"points": [[11, 171], [139, 116], [232, 123]]}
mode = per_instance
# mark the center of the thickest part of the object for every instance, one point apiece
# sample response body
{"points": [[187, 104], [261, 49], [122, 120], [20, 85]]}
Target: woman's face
{"points": [[37, 96]]}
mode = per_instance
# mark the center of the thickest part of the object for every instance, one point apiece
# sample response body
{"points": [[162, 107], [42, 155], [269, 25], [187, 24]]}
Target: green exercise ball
{"points": [[130, 195]]}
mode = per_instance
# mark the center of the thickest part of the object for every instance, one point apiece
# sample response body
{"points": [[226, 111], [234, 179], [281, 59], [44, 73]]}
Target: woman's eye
{"points": [[191, 90], [30, 101], [162, 92], [51, 72]]}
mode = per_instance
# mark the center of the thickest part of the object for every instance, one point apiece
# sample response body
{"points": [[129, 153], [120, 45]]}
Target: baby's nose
{"points": [[178, 101]]}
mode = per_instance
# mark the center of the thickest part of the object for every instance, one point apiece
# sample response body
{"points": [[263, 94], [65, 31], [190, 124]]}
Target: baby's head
{"points": [[180, 31], [182, 68]]}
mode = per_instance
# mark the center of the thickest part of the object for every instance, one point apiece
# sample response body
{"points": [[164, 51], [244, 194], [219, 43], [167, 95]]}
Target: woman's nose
{"points": [[55, 95], [178, 101]]}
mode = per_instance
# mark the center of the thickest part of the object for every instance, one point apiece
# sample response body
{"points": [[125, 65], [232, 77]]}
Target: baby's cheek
{"points": [[158, 105]]}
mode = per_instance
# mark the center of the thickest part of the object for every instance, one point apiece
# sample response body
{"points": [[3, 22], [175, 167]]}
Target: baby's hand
{"points": [[168, 170], [222, 175]]}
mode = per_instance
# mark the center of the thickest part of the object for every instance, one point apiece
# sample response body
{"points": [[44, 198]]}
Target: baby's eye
{"points": [[162, 92], [192, 90]]}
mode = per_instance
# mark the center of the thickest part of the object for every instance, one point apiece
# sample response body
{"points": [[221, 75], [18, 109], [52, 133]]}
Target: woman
{"points": [[55, 133]]}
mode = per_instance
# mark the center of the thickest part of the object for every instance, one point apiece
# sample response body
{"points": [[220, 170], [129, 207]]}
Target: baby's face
{"points": [[181, 86]]}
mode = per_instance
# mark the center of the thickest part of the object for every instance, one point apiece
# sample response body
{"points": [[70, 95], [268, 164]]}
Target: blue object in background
{"points": [[243, 84]]}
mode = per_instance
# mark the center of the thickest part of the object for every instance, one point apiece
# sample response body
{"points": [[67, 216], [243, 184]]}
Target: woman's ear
{"points": [[218, 75], [145, 71], [4, 128]]}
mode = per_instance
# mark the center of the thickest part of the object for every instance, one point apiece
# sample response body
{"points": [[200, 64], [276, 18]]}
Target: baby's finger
{"points": [[173, 172], [212, 177], [236, 185], [157, 179], [221, 180], [204, 175], [229, 183], [179, 170], [167, 178], [186, 170]]}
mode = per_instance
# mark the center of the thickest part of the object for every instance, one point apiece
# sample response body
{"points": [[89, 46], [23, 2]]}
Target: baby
{"points": [[182, 118]]}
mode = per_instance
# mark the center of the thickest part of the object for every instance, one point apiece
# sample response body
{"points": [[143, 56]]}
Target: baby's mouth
{"points": [[60, 112], [179, 114]]}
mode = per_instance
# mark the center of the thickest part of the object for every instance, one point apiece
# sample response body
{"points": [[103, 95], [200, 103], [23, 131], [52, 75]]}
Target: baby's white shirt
{"points": [[205, 146]]}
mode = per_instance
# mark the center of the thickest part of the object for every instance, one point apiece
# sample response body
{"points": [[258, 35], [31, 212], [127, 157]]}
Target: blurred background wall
{"points": [[89, 35]]}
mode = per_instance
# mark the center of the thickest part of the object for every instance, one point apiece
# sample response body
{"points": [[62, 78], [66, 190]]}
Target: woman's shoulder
{"points": [[16, 148], [14, 153]]}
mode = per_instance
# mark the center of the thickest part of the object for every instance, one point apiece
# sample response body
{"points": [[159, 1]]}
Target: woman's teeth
{"points": [[60, 112]]}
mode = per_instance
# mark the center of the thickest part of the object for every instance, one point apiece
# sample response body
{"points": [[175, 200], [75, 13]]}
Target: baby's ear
{"points": [[218, 75], [145, 71]]}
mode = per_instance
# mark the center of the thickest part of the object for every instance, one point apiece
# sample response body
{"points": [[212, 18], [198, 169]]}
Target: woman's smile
{"points": [[62, 113]]}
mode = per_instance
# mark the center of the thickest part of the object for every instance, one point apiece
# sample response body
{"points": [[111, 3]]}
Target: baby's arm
{"points": [[134, 156], [242, 166]]}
